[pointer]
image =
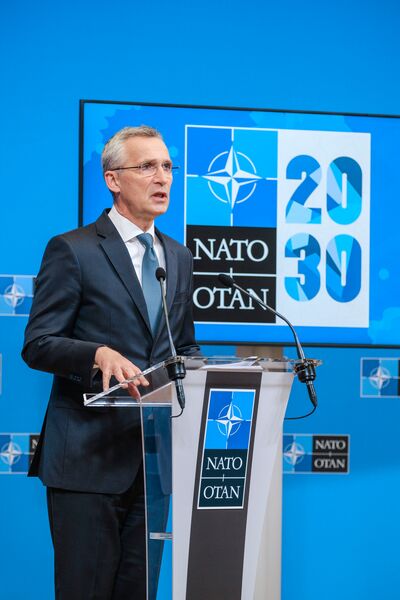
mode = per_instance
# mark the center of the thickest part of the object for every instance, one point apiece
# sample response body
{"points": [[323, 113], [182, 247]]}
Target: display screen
{"points": [[300, 208]]}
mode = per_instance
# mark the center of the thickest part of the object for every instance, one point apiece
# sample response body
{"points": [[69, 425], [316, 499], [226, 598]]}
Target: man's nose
{"points": [[161, 175]]}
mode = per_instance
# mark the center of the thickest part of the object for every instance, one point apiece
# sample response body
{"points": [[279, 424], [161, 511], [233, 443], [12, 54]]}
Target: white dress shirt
{"points": [[129, 232]]}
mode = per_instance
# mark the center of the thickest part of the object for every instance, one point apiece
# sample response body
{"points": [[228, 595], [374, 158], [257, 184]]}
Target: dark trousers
{"points": [[99, 544]]}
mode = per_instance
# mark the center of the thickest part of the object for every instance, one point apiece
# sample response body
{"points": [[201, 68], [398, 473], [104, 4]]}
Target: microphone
{"points": [[304, 369], [175, 366]]}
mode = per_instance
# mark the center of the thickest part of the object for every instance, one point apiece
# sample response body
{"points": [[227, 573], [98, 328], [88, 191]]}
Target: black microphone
{"points": [[304, 369], [175, 366]]}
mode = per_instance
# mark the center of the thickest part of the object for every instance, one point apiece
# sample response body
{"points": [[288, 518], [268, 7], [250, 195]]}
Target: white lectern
{"points": [[213, 477]]}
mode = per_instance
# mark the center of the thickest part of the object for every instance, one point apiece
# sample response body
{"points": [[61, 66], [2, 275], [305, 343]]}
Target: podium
{"points": [[213, 477]]}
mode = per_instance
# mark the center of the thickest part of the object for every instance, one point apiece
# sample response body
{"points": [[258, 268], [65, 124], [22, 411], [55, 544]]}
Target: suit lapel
{"points": [[172, 275], [118, 255], [171, 268]]}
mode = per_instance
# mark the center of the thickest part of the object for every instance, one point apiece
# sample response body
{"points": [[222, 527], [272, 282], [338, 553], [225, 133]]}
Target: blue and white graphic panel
{"points": [[16, 294], [16, 451], [231, 176], [315, 453], [380, 378]]}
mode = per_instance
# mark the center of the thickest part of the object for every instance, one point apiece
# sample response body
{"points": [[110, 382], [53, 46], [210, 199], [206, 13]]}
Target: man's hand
{"points": [[112, 363]]}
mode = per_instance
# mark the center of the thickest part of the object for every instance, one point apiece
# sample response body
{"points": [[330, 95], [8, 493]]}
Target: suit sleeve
{"points": [[49, 344]]}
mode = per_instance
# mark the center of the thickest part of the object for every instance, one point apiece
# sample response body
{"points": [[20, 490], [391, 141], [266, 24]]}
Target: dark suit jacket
{"points": [[88, 295]]}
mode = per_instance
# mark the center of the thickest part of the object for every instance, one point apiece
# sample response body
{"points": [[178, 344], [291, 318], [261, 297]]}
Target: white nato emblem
{"points": [[14, 295], [10, 453], [294, 453], [229, 420], [235, 172], [380, 378]]}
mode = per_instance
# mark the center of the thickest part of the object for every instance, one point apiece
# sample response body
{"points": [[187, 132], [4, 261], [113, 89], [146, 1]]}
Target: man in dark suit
{"points": [[91, 321]]}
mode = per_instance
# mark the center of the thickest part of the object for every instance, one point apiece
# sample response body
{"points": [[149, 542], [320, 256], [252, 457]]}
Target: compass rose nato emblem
{"points": [[10, 453], [232, 177], [16, 293], [229, 420], [294, 453], [225, 168], [380, 377]]}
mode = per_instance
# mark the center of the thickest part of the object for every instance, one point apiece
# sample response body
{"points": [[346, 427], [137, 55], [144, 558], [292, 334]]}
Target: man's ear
{"points": [[112, 181]]}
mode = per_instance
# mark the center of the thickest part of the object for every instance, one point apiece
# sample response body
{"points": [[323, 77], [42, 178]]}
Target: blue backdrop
{"points": [[340, 530]]}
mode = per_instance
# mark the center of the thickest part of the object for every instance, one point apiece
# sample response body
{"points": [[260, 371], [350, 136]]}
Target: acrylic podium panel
{"points": [[155, 405], [213, 479]]}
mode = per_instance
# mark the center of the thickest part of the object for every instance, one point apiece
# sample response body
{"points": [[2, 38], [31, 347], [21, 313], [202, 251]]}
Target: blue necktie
{"points": [[150, 285]]}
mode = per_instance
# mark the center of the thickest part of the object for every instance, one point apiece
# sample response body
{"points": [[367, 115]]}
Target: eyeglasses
{"points": [[148, 169]]}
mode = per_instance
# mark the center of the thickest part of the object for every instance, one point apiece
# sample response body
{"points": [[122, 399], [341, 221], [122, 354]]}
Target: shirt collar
{"points": [[126, 229]]}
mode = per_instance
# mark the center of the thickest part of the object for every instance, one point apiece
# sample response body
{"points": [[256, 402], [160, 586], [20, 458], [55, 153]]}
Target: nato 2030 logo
{"points": [[16, 294], [286, 212], [306, 453], [226, 447], [380, 378], [16, 452]]}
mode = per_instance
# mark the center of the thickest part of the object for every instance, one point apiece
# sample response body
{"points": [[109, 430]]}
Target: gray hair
{"points": [[113, 151]]}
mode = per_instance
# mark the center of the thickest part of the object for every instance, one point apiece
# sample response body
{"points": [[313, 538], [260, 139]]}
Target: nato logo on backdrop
{"points": [[231, 188], [225, 449], [380, 378], [16, 452], [16, 294], [313, 453]]}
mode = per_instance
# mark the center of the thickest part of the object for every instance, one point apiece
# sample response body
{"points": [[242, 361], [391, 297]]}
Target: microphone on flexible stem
{"points": [[175, 366], [304, 368]]}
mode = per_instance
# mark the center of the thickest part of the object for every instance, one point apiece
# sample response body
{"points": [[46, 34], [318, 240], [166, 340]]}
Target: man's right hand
{"points": [[113, 364]]}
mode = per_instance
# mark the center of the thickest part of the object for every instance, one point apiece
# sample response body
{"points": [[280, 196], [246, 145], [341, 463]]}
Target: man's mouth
{"points": [[161, 195]]}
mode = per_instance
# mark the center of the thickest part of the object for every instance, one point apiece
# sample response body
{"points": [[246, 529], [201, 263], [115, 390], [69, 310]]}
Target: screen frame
{"points": [[84, 102]]}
